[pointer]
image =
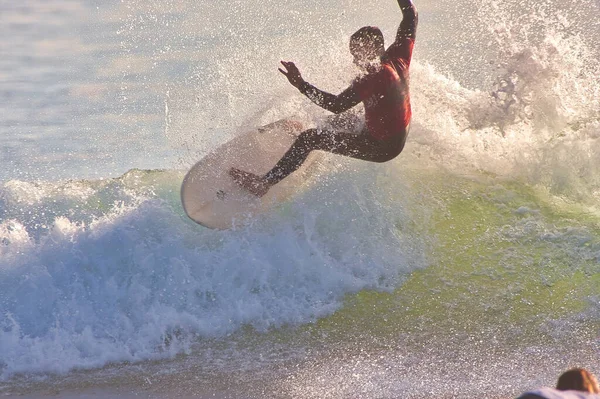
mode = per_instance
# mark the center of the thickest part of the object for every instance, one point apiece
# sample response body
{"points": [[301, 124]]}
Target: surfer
{"points": [[382, 87]]}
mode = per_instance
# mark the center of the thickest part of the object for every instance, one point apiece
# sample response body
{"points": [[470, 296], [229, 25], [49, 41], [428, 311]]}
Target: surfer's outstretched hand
{"points": [[292, 73]]}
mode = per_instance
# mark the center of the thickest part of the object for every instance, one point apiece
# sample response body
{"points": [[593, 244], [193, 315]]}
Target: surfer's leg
{"points": [[366, 148], [307, 141], [360, 146]]}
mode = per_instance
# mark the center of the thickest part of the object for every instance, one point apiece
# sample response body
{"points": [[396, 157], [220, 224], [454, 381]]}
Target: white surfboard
{"points": [[211, 198]]}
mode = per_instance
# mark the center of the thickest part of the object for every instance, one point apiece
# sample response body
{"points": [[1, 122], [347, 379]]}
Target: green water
{"points": [[490, 264], [506, 301]]}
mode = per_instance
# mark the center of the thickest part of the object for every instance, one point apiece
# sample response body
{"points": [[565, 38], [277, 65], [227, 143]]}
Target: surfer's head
{"points": [[366, 46], [578, 380]]}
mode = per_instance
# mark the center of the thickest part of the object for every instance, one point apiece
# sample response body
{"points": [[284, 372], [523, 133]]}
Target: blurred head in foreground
{"points": [[578, 380]]}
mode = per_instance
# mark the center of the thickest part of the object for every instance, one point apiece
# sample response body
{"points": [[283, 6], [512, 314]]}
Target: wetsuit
{"points": [[385, 94]]}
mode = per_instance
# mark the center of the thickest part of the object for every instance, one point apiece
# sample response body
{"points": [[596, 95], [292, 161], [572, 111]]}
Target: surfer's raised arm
{"points": [[383, 89], [410, 19], [336, 104]]}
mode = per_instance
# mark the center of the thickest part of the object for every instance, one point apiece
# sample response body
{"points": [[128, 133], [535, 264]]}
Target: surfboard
{"points": [[211, 198]]}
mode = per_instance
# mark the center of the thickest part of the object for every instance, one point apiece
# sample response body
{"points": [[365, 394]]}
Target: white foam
{"points": [[143, 282], [540, 121]]}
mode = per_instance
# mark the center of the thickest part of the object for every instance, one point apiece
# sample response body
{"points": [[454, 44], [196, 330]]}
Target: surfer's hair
{"points": [[578, 380], [369, 35]]}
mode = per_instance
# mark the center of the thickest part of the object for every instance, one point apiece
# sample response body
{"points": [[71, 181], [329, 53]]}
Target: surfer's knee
{"points": [[393, 150], [386, 157], [308, 135], [308, 139]]}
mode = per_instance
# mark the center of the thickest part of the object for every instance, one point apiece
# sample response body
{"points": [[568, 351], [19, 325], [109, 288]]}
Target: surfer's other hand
{"points": [[292, 73]]}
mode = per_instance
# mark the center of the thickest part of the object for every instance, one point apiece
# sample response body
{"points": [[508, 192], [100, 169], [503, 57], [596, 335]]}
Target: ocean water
{"points": [[470, 265]]}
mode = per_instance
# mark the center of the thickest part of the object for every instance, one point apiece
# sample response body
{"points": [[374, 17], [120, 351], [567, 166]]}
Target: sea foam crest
{"points": [[540, 120], [140, 281]]}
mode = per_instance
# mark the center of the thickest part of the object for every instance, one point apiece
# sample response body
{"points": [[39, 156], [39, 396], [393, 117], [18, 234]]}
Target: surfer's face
{"points": [[365, 53]]}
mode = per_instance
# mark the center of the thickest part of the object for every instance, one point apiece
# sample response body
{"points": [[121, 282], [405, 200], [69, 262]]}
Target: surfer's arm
{"points": [[336, 104], [410, 19]]}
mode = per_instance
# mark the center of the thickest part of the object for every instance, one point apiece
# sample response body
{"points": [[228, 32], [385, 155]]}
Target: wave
{"points": [[107, 271], [101, 271]]}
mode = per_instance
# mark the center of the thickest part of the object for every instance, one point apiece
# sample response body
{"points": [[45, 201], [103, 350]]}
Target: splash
{"points": [[540, 122]]}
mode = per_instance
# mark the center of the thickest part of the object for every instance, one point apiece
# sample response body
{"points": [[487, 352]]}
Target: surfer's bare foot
{"points": [[251, 182]]}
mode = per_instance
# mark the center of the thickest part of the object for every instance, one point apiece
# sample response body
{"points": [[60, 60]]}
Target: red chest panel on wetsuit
{"points": [[385, 93]]}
